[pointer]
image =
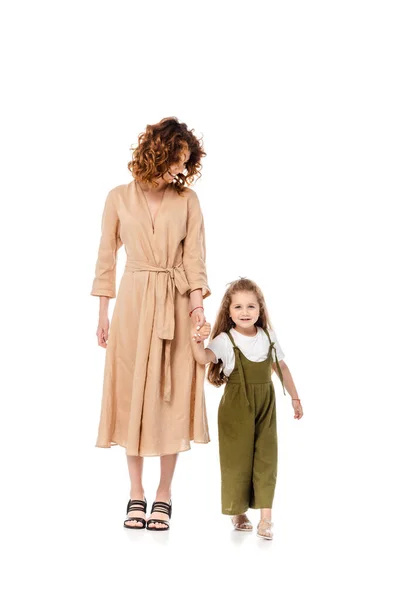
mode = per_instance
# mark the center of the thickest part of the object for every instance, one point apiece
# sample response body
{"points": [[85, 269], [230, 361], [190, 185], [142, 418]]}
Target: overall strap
{"points": [[238, 362], [273, 349]]}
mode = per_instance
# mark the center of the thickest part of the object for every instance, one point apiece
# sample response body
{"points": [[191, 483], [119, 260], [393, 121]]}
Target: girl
{"points": [[153, 397], [242, 352]]}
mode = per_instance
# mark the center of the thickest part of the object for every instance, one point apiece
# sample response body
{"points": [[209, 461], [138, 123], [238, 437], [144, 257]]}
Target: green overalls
{"points": [[247, 434]]}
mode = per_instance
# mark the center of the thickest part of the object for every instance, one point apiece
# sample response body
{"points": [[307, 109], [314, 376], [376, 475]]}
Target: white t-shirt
{"points": [[254, 348]]}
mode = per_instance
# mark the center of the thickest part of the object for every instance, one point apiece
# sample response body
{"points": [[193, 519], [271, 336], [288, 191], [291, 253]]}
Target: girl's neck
{"points": [[252, 332]]}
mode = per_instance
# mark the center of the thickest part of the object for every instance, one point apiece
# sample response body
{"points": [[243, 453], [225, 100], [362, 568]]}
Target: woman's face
{"points": [[244, 310], [178, 167]]}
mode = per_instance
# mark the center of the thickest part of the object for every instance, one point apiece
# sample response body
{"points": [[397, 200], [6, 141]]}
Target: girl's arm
{"points": [[287, 378], [290, 387], [198, 335]]}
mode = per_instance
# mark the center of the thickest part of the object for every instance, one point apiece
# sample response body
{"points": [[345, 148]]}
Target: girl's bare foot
{"points": [[264, 529], [241, 523]]}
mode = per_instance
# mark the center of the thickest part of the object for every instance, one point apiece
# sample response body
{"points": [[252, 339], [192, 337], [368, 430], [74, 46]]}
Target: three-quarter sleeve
{"points": [[110, 242], [194, 248]]}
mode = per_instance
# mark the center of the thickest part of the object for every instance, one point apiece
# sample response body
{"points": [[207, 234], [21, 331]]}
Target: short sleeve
{"points": [[279, 352], [110, 242], [194, 248], [220, 348]]}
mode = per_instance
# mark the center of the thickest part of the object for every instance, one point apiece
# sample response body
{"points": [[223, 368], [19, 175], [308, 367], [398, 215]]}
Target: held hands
{"points": [[199, 334], [197, 317], [298, 409]]}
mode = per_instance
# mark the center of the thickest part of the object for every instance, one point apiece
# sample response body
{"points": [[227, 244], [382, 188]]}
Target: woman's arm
{"points": [[104, 324], [110, 242], [104, 281], [196, 301], [194, 255]]}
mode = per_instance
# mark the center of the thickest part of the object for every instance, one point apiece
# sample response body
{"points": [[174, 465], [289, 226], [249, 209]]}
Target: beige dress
{"points": [[153, 394]]}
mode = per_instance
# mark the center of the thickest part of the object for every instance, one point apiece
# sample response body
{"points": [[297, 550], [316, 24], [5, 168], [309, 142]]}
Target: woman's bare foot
{"points": [[241, 522]]}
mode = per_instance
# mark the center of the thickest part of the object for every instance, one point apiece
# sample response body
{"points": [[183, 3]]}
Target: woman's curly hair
{"points": [[223, 322], [161, 146]]}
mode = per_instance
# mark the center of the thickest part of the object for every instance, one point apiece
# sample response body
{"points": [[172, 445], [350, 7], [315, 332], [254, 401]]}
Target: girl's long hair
{"points": [[223, 322]]}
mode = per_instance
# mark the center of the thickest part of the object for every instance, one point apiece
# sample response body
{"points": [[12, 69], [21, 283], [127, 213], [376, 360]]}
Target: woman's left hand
{"points": [[198, 318]]}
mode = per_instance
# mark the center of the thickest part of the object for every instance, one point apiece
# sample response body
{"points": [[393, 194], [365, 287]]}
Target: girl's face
{"points": [[244, 310], [178, 167]]}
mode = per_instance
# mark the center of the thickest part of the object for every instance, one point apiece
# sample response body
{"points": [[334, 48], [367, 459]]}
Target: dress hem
{"points": [[185, 449]]}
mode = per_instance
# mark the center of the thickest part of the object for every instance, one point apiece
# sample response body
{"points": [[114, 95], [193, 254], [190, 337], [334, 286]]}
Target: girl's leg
{"points": [[266, 513], [264, 528], [265, 463], [241, 522], [167, 465], [236, 448], [135, 467]]}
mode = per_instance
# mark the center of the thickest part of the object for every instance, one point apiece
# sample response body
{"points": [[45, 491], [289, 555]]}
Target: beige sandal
{"points": [[264, 529], [241, 523]]}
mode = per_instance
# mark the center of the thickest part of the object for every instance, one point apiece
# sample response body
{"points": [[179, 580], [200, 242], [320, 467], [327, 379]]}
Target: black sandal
{"points": [[140, 505], [161, 507]]}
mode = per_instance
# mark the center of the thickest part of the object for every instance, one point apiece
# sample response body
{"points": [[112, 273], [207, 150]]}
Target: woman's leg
{"points": [[135, 467], [167, 464]]}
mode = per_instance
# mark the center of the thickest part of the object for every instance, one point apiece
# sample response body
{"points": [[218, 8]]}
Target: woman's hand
{"points": [[298, 409], [199, 334], [198, 318], [102, 331]]}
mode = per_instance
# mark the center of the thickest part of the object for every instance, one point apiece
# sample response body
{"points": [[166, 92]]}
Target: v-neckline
{"points": [[153, 219]]}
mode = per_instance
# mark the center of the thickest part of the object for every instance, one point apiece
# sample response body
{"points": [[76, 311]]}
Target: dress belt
{"points": [[168, 278]]}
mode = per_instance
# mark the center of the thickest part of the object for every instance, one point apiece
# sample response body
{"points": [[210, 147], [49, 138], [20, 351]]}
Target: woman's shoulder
{"points": [[190, 195], [119, 190]]}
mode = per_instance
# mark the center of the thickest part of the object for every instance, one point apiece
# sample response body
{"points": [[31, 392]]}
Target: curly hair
{"points": [[223, 322], [161, 146]]}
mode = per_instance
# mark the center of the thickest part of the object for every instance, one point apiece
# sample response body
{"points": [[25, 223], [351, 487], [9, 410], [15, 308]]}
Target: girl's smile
{"points": [[244, 312]]}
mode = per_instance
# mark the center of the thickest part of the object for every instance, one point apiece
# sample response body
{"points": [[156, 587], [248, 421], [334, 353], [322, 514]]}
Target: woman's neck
{"points": [[161, 187]]}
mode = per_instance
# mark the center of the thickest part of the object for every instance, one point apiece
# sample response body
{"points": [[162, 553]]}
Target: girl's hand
{"points": [[199, 334], [298, 409], [102, 331], [198, 318]]}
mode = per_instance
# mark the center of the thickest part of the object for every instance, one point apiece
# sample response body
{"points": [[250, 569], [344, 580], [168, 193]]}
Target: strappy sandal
{"points": [[242, 523], [161, 507], [140, 505], [264, 529]]}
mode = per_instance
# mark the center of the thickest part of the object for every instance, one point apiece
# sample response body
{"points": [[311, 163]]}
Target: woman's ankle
{"points": [[164, 493], [137, 494]]}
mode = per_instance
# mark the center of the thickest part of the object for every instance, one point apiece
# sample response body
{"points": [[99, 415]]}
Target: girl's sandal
{"points": [[264, 529], [241, 523], [161, 507], [140, 505]]}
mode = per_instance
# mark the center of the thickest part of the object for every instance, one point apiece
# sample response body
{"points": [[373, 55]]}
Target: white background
{"points": [[298, 103]]}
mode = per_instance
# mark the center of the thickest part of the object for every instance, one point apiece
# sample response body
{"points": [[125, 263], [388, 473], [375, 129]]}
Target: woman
{"points": [[153, 397]]}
